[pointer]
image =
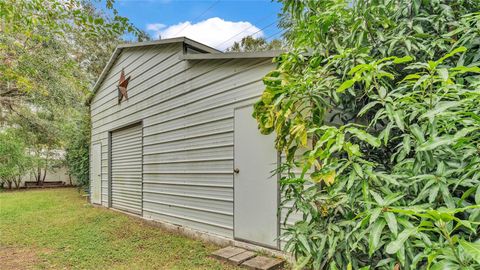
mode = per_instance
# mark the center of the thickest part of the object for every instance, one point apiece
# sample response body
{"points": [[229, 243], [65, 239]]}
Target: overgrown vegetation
{"points": [[377, 110], [78, 151]]}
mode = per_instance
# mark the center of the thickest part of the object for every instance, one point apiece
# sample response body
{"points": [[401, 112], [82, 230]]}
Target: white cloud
{"points": [[214, 32], [155, 27]]}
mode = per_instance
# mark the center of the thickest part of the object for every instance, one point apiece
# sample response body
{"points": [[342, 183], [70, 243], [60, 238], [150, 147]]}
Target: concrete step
{"points": [[226, 253], [263, 263], [244, 256], [247, 259]]}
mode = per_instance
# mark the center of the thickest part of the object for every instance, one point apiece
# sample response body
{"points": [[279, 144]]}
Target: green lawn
{"points": [[58, 229]]}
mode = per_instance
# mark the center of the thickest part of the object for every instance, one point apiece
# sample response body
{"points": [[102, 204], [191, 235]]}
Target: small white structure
{"points": [[184, 148]]}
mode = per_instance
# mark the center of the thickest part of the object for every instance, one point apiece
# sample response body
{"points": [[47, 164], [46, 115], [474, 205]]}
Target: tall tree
{"points": [[51, 52], [251, 44]]}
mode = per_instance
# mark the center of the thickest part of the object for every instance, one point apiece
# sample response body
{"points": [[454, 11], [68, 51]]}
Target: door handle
{"points": [[236, 170]]}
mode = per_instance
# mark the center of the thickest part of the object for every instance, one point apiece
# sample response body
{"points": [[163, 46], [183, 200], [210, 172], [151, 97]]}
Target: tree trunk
{"points": [[44, 175], [46, 166], [38, 175], [19, 181]]}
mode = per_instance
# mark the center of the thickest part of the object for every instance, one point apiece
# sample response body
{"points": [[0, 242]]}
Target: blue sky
{"points": [[217, 23]]}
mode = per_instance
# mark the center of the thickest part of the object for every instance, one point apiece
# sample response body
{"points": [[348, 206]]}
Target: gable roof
{"points": [[206, 52]]}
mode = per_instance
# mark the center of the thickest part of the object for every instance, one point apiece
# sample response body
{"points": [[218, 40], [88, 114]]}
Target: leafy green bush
{"points": [[14, 161], [377, 109], [78, 151]]}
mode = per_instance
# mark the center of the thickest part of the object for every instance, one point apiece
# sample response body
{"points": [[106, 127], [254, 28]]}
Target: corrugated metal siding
{"points": [[187, 113], [127, 169], [140, 63]]}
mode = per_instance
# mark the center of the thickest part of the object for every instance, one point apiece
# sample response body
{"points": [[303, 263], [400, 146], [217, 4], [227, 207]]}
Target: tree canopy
{"points": [[51, 52], [251, 44]]}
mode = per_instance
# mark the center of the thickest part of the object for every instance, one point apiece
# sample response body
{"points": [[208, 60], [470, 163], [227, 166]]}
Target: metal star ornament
{"points": [[122, 86]]}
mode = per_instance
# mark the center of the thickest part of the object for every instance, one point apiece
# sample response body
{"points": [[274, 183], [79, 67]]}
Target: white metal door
{"points": [[96, 180], [127, 169], [255, 189]]}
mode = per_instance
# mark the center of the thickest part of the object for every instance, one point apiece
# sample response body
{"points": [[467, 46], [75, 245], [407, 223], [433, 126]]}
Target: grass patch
{"points": [[57, 229]]}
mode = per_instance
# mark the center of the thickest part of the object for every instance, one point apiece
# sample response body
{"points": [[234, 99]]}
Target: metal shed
{"points": [[184, 149]]}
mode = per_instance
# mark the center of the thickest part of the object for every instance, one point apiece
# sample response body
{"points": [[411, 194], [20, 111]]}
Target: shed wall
{"points": [[187, 112]]}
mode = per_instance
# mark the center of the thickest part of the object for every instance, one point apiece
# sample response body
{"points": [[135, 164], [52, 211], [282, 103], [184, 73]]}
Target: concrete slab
{"points": [[240, 258], [263, 263], [226, 253]]}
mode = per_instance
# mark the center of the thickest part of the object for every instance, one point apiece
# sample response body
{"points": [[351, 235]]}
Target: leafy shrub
{"points": [[14, 161], [78, 151], [377, 109]]}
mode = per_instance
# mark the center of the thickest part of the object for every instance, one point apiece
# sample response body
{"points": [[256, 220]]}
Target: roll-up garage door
{"points": [[127, 169]]}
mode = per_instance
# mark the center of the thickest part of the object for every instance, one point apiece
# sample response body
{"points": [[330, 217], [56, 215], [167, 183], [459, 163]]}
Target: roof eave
{"points": [[104, 73], [233, 55], [185, 40]]}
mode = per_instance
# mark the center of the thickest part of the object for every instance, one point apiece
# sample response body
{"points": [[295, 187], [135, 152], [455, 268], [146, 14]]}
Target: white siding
{"points": [[187, 112]]}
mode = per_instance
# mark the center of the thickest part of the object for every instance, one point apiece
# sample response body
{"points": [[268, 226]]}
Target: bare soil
{"points": [[14, 258]]}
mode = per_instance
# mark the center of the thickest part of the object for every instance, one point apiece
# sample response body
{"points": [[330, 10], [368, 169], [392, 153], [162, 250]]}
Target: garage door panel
{"points": [[131, 190], [127, 169], [125, 185], [128, 207], [127, 148], [124, 195], [128, 204], [130, 138], [127, 157], [127, 179], [121, 155], [123, 152], [128, 176], [124, 164], [132, 203]]}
